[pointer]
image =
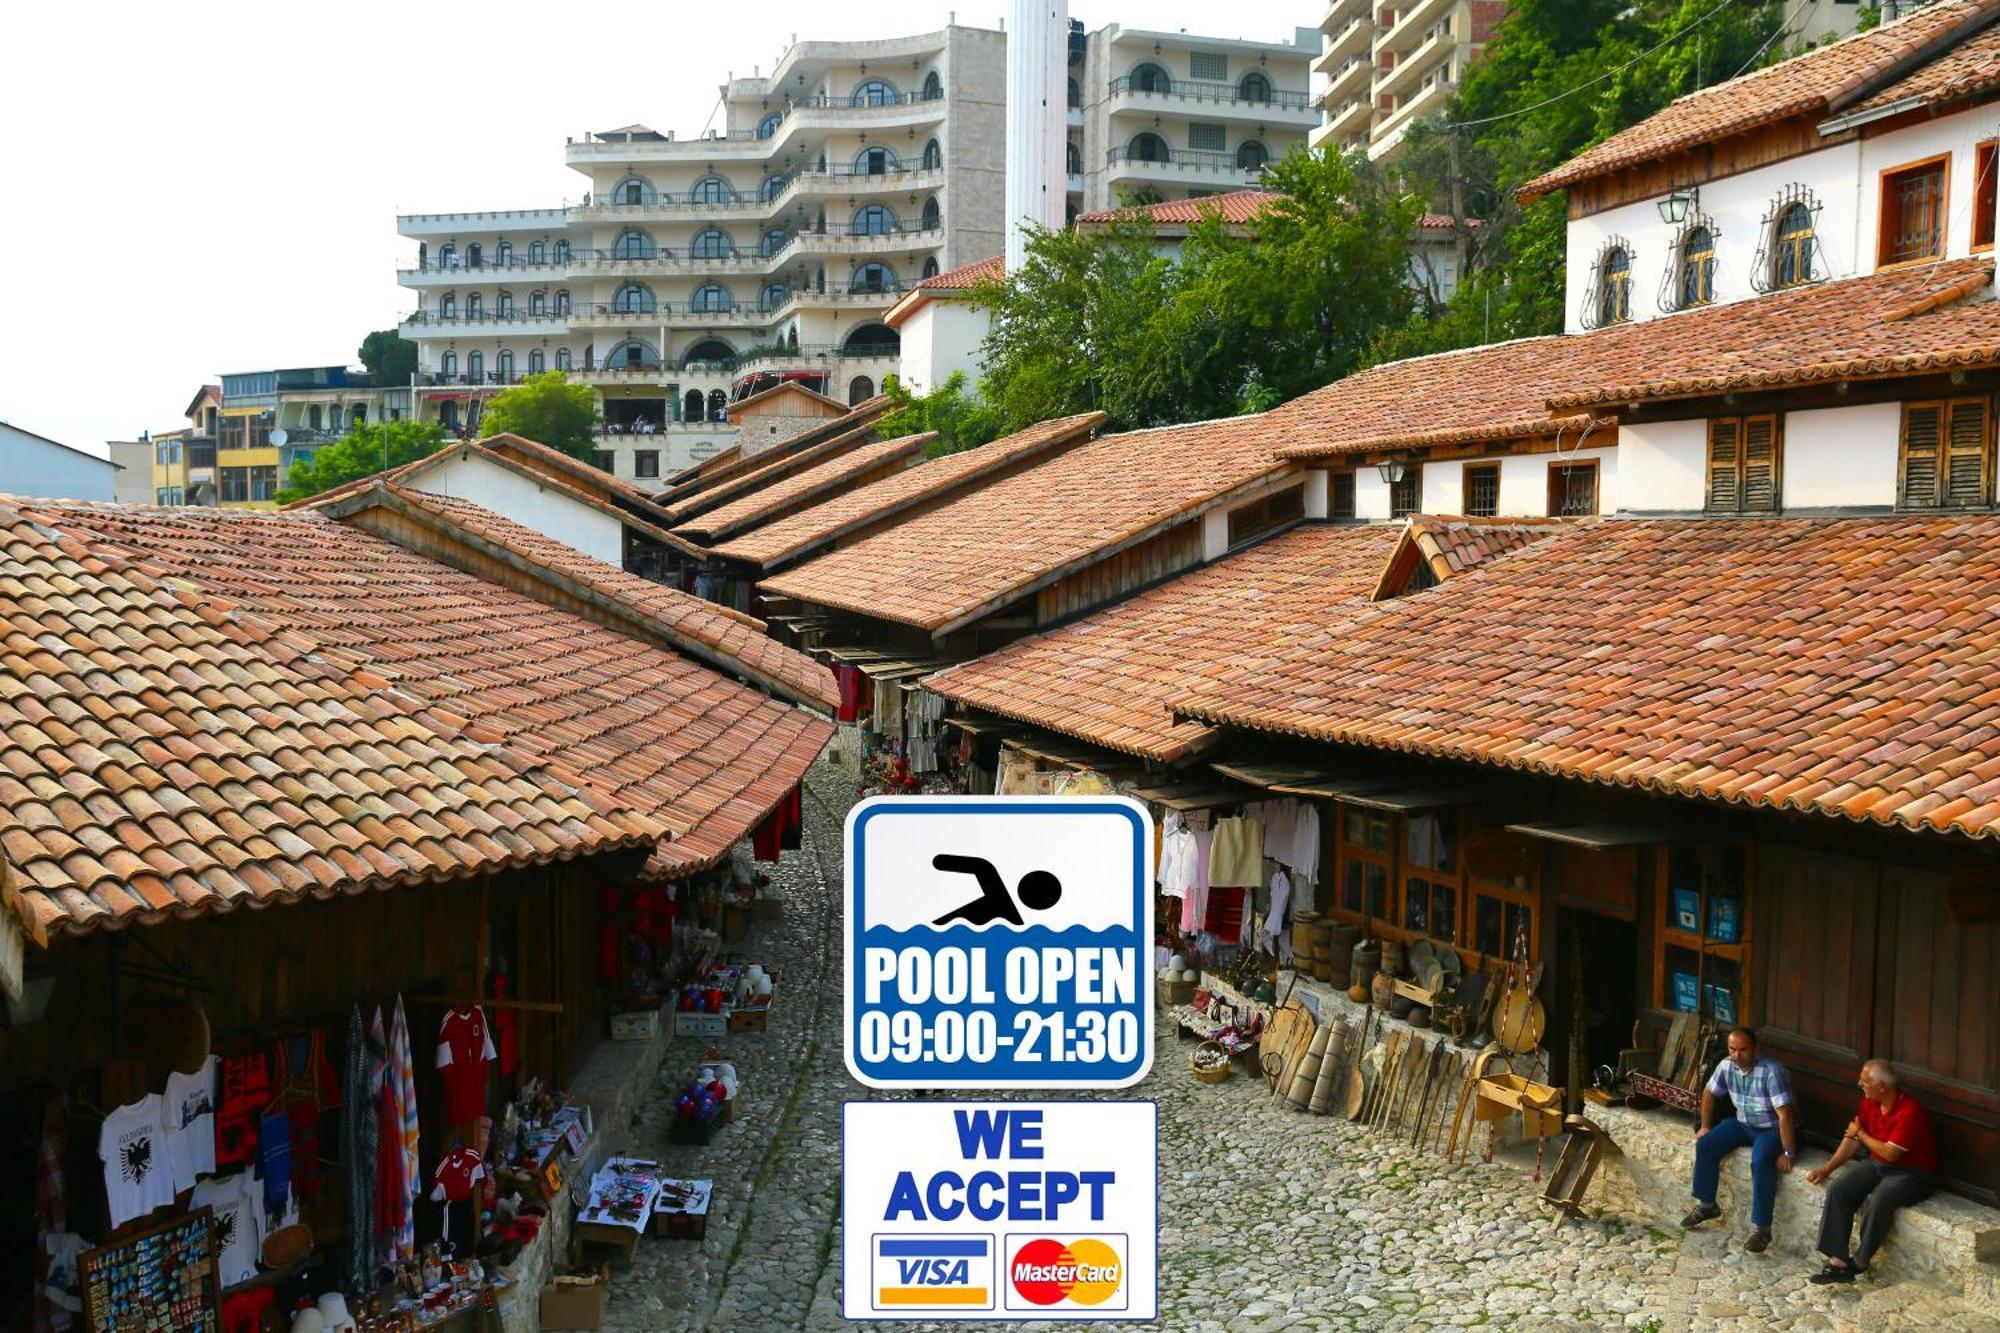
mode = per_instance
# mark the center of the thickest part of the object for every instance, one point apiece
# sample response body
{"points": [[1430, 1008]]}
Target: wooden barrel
{"points": [[1367, 961], [1306, 945], [1341, 939], [1394, 957]]}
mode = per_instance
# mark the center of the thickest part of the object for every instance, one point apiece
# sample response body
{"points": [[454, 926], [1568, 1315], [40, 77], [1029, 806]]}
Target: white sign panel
{"points": [[999, 942], [1001, 1210]]}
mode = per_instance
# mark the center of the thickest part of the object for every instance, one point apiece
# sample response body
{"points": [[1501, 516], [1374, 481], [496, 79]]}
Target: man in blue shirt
{"points": [[1764, 1121]]}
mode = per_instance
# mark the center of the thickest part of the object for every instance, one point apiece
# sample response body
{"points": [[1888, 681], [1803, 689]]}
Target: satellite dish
{"points": [[278, 437]]}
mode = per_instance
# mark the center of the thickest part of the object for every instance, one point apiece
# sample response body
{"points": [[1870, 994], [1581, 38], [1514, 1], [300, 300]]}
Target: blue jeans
{"points": [[1725, 1138]]}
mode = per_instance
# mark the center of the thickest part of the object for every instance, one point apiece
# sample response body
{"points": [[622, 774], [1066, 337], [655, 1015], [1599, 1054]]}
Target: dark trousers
{"points": [[1878, 1191], [1726, 1137]]}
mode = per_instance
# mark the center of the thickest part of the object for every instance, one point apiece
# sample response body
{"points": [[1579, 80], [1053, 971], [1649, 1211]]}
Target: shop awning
{"points": [[1601, 837], [1291, 780], [1197, 794], [1418, 798]]}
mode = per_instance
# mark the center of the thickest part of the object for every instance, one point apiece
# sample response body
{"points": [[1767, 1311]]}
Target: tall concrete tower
{"points": [[1037, 101]]}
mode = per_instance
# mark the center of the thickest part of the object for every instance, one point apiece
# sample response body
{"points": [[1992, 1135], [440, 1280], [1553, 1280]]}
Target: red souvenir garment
{"points": [[460, 1170], [464, 1047], [246, 1091]]}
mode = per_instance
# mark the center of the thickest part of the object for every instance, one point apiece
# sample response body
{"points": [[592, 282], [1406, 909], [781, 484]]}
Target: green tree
{"points": [[390, 357], [548, 409], [361, 452], [1558, 77], [962, 421]]}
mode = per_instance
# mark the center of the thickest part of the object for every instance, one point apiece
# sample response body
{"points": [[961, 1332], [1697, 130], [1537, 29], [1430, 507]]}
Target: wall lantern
{"points": [[1392, 471], [1674, 209]]}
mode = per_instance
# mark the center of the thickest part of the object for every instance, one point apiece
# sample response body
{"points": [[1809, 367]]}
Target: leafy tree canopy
{"points": [[548, 409], [364, 450], [962, 421], [390, 357]]}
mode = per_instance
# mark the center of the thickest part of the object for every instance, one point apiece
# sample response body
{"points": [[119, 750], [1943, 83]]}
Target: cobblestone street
{"points": [[1271, 1219]]}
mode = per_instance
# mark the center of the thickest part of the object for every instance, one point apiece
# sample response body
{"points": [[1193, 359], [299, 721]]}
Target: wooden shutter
{"points": [[1965, 453], [1725, 465], [1923, 431], [1760, 465]]}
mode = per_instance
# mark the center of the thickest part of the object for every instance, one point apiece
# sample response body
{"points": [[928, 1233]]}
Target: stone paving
{"points": [[1271, 1218]]}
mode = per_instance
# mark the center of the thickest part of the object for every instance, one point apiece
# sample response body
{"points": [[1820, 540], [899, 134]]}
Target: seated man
{"points": [[1764, 1122], [1892, 1136]]}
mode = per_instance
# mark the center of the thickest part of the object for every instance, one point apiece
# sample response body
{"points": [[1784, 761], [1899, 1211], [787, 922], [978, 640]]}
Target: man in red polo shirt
{"points": [[1898, 1167]]}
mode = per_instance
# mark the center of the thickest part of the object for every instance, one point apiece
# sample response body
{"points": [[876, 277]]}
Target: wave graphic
{"points": [[960, 932]]}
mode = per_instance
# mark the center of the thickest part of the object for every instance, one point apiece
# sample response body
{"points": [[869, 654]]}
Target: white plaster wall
{"points": [[1842, 457], [1214, 534], [1665, 466], [469, 476], [30, 465], [1371, 494], [1524, 483], [1846, 180], [1316, 494], [943, 337]]}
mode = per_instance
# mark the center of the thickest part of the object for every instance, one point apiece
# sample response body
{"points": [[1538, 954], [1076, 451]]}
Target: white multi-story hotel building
{"points": [[695, 271], [1158, 116]]}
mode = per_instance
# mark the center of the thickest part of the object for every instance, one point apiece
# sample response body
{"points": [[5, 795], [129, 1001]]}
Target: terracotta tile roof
{"points": [[1236, 207], [1496, 392], [1971, 66], [1108, 677], [1003, 541], [773, 470], [714, 462], [849, 511], [1813, 84], [579, 474], [1836, 666], [164, 755], [684, 499], [1900, 322], [720, 636], [644, 727], [1448, 546], [966, 276], [853, 468]]}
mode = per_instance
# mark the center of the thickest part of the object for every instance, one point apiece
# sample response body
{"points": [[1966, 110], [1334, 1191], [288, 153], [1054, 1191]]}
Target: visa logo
{"points": [[948, 1272], [933, 1272]]}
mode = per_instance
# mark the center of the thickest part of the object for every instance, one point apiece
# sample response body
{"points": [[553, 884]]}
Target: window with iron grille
{"points": [[1946, 456], [1208, 65], [1482, 489], [1207, 138], [1607, 298], [1745, 464], [1266, 515], [1696, 276], [1340, 502], [1572, 489], [1911, 225], [1404, 495]]}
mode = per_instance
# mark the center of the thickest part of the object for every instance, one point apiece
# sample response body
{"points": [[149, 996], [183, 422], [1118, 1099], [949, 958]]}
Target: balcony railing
{"points": [[1195, 90], [439, 379], [514, 316], [1187, 159], [459, 264]]}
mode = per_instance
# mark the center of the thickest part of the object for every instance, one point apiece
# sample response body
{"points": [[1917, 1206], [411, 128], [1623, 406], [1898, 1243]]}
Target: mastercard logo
{"points": [[1048, 1272]]}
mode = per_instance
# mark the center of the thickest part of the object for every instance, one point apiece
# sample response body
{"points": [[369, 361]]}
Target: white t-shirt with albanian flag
{"points": [[464, 1047], [138, 1177], [457, 1174], [238, 1202]]}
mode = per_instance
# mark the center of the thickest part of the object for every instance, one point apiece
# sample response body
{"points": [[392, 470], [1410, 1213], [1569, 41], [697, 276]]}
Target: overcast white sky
{"points": [[188, 189]]}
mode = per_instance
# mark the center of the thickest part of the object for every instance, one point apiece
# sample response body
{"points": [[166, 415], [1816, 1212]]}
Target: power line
{"points": [[1581, 87]]}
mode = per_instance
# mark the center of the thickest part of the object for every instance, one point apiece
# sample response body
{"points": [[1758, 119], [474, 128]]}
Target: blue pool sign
{"points": [[999, 942]]}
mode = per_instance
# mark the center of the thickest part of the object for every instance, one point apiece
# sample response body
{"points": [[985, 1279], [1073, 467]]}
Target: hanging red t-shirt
{"points": [[460, 1170], [464, 1047]]}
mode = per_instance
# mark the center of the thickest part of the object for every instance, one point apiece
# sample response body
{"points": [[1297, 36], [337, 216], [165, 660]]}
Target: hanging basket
{"points": [[1209, 1062]]}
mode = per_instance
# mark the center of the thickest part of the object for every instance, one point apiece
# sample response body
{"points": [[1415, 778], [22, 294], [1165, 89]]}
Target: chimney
{"points": [[1037, 180]]}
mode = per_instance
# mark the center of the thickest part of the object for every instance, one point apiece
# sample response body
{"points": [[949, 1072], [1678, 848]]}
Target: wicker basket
{"points": [[1215, 1075]]}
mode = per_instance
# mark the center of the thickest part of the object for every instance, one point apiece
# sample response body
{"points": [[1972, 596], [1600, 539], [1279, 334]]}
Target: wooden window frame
{"points": [[1669, 936], [1413, 477], [1596, 491], [1452, 879], [1334, 506], [1884, 180], [1465, 489], [1742, 466], [1985, 192], [1266, 514], [1347, 853], [1948, 408]]}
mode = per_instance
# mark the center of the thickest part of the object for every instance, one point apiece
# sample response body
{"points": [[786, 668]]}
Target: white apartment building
{"points": [[696, 271], [1384, 66], [1157, 116]]}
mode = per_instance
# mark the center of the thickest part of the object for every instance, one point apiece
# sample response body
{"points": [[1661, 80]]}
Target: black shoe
{"points": [[1702, 1212], [1831, 1274], [1760, 1240]]}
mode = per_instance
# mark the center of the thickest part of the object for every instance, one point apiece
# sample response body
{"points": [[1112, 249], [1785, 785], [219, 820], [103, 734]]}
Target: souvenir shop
{"points": [[322, 1116], [892, 730]]}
